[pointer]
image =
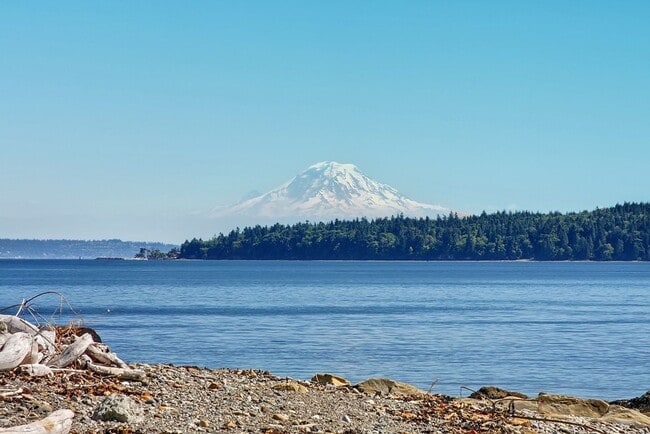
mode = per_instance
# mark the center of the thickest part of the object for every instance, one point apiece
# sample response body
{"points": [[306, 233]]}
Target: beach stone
{"points": [[570, 406], [491, 392], [386, 386], [290, 386], [280, 416], [329, 379], [119, 408]]}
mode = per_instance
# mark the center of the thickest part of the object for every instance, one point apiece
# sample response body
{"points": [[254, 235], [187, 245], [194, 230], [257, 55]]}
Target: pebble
{"points": [[280, 416]]}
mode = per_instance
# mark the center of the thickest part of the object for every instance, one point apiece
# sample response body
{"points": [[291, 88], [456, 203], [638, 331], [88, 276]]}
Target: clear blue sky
{"points": [[120, 119]]}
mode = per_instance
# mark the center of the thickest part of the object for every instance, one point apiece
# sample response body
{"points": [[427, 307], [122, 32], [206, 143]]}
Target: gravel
{"points": [[185, 399]]}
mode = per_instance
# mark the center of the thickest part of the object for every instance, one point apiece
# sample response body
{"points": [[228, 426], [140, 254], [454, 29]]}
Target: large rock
{"points": [[491, 392], [118, 408], [329, 379], [641, 403], [570, 406], [620, 414], [386, 386]]}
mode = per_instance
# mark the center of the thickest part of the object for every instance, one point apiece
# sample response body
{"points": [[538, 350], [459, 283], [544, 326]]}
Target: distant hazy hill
{"points": [[68, 249]]}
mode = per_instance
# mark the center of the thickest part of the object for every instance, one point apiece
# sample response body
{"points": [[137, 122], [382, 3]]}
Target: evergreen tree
{"points": [[618, 233]]}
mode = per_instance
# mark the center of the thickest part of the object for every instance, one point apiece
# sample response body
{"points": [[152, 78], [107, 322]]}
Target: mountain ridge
{"points": [[329, 190]]}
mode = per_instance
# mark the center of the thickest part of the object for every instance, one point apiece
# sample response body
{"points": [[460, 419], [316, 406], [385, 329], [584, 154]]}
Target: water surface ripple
{"points": [[575, 328]]}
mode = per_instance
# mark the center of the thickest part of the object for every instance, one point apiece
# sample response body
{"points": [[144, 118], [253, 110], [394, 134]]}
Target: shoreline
{"points": [[182, 399], [440, 387]]}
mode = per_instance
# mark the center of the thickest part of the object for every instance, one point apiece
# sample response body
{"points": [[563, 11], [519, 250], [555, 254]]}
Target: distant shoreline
{"points": [[74, 249], [131, 259], [477, 261]]}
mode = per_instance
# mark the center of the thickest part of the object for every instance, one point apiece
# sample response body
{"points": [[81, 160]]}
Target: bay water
{"points": [[578, 328]]}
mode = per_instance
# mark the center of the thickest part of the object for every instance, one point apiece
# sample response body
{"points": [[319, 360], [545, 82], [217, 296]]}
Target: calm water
{"points": [[576, 328]]}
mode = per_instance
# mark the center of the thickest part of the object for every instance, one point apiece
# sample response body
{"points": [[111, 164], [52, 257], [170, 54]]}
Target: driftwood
{"points": [[12, 392], [58, 422], [127, 374], [101, 354], [15, 324], [15, 350], [36, 370], [74, 350], [41, 351]]}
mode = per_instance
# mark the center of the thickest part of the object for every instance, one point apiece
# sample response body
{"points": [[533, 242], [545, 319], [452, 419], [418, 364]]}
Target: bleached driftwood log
{"points": [[36, 370], [100, 353], [58, 422], [15, 350], [4, 393], [120, 373], [74, 350], [15, 324]]}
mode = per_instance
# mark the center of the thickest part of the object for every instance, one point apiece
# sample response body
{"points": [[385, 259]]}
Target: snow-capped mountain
{"points": [[326, 191]]}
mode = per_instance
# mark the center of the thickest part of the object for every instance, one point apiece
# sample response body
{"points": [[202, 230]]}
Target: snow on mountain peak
{"points": [[326, 191]]}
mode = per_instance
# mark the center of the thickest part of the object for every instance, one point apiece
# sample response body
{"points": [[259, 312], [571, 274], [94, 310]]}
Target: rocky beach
{"points": [[185, 399]]}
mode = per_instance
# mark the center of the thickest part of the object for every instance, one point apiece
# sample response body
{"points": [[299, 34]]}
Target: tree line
{"points": [[620, 233], [156, 254]]}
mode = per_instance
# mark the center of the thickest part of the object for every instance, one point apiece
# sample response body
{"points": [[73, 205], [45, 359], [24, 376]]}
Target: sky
{"points": [[132, 119]]}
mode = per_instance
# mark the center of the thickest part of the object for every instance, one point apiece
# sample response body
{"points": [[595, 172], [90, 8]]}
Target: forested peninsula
{"points": [[619, 233]]}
